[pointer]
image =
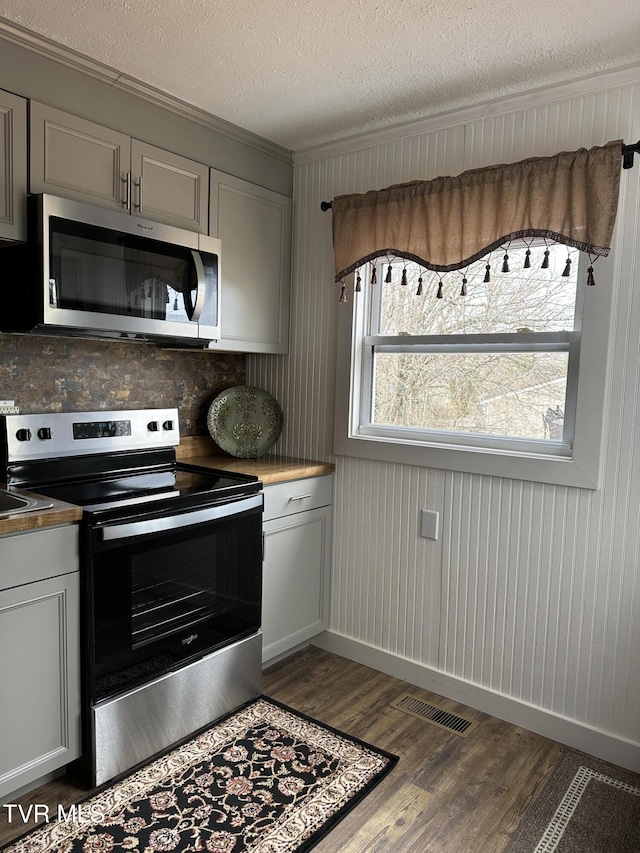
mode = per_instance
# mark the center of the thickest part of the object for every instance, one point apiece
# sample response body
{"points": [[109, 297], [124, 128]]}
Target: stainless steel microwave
{"points": [[90, 271]]}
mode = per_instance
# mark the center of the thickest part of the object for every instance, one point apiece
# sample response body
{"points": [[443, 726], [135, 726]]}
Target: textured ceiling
{"points": [[303, 72]]}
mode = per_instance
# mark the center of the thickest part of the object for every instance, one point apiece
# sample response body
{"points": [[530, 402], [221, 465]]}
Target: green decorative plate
{"points": [[245, 421]]}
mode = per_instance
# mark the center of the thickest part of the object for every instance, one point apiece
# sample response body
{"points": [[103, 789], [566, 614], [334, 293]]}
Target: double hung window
{"points": [[494, 381], [496, 367]]}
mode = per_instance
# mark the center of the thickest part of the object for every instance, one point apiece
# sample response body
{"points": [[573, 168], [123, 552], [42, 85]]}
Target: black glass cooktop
{"points": [[182, 483]]}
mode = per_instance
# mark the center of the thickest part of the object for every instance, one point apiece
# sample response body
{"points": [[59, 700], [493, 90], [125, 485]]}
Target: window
{"points": [[493, 365], [502, 380]]}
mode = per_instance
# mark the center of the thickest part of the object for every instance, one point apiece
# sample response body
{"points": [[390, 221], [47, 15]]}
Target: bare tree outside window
{"points": [[516, 390]]}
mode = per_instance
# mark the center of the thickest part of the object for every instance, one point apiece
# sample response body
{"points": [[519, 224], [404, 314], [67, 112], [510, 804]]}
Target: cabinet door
{"points": [[169, 188], [77, 159], [40, 677], [13, 167], [254, 225], [295, 580]]}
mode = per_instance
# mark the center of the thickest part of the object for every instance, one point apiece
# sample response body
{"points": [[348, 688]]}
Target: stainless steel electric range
{"points": [[171, 576]]}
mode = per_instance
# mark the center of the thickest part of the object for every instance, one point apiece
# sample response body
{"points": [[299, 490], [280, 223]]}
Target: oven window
{"points": [[176, 591], [167, 597]]}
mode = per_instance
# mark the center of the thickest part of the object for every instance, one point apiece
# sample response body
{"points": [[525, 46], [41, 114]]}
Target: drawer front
{"points": [[297, 495], [37, 555]]}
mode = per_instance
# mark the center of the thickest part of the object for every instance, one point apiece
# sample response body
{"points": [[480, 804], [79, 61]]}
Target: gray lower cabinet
{"points": [[296, 569], [40, 660], [13, 167], [254, 225], [78, 159]]}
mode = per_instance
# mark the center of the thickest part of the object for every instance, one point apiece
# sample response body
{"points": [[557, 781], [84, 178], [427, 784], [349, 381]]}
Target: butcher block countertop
{"points": [[200, 450], [59, 513]]}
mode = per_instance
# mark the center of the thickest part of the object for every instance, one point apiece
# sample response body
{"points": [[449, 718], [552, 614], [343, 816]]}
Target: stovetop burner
{"points": [[99, 493]]}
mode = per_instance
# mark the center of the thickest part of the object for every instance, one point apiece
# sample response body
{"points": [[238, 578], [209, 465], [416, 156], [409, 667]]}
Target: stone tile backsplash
{"points": [[72, 374]]}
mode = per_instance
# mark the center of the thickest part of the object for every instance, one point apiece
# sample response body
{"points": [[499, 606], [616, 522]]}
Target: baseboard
{"points": [[564, 730], [282, 648], [274, 659], [14, 796]]}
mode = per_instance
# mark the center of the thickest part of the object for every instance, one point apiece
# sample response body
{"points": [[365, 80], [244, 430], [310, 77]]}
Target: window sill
{"points": [[537, 468]]}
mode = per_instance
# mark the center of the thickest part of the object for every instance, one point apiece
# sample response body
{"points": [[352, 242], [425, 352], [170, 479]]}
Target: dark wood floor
{"points": [[447, 794]]}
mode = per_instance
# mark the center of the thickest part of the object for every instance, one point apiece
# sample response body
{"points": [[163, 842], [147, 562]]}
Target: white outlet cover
{"points": [[429, 523]]}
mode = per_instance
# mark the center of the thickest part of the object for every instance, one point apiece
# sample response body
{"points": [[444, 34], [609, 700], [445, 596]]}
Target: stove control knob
{"points": [[44, 433], [153, 426], [23, 435], [167, 425]]}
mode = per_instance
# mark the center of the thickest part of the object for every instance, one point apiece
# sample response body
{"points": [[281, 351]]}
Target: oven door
{"points": [[164, 589]]}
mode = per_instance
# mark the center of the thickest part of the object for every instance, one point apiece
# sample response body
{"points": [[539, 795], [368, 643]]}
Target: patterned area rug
{"points": [[586, 807], [266, 779]]}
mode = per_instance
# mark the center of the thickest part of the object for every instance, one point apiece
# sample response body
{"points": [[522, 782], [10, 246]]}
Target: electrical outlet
{"points": [[429, 523]]}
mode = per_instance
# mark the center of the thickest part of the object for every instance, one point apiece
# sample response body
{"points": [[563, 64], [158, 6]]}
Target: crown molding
{"points": [[544, 95], [93, 68]]}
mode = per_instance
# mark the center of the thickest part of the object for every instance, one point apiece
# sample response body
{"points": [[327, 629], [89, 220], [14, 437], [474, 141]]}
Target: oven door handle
{"points": [[186, 519]]}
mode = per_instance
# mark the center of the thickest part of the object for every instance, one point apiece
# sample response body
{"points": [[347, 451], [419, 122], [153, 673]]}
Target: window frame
{"points": [[575, 464]]}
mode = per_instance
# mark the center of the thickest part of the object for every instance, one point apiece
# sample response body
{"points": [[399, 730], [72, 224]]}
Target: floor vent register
{"points": [[415, 707]]}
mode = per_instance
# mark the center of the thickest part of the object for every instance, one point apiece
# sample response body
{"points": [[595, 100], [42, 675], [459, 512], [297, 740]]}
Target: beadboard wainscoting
{"points": [[529, 603]]}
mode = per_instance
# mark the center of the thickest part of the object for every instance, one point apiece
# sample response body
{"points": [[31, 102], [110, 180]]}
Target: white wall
{"points": [[529, 604]]}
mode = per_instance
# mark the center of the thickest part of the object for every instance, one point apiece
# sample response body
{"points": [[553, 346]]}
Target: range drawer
{"points": [[297, 495]]}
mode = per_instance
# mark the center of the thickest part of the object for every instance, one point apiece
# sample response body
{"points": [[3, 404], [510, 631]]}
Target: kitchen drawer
{"points": [[37, 555], [297, 495]]}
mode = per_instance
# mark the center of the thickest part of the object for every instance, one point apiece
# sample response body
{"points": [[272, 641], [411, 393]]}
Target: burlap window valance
{"points": [[448, 223]]}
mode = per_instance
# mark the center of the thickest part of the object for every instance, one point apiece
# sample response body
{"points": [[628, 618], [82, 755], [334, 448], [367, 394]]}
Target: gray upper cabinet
{"points": [[77, 159], [169, 188], [254, 225], [13, 167]]}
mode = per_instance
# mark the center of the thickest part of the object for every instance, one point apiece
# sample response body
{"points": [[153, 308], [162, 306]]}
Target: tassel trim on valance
{"points": [[505, 268], [390, 252]]}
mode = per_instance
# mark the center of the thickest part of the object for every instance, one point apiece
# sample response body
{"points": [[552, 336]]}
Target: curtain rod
{"points": [[627, 163]]}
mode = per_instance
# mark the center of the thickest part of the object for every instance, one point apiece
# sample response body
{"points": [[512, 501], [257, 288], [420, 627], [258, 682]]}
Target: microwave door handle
{"points": [[194, 309], [159, 525]]}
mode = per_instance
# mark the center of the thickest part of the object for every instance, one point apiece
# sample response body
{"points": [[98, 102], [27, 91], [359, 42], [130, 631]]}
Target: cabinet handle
{"points": [[127, 191], [138, 185], [299, 497]]}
